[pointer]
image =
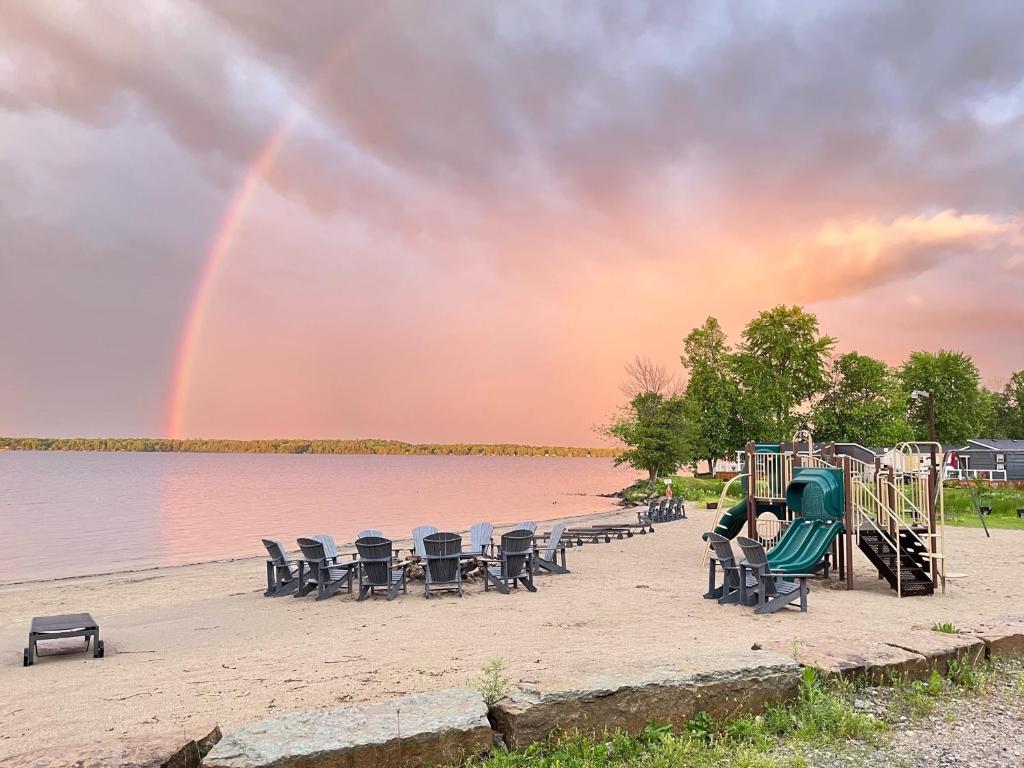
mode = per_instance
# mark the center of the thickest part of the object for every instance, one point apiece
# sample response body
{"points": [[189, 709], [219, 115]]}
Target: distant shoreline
{"points": [[367, 447]]}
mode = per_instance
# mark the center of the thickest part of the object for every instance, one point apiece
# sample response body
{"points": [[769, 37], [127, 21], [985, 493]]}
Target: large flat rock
{"points": [[628, 699], [1004, 639], [852, 658], [940, 648], [438, 727]]}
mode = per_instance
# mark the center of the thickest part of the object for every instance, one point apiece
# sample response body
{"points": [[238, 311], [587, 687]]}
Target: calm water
{"points": [[69, 514]]}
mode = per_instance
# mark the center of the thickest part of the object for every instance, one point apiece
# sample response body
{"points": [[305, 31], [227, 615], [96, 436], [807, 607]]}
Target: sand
{"points": [[194, 646]]}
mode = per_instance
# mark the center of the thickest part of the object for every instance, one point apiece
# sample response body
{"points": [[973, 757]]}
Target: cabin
{"points": [[992, 459]]}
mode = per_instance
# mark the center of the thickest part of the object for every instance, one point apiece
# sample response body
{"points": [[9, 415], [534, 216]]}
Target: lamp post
{"points": [[920, 394]]}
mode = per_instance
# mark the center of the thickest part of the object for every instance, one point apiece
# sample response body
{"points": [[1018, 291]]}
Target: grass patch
{"points": [[825, 718], [946, 628], [1003, 501], [696, 489]]}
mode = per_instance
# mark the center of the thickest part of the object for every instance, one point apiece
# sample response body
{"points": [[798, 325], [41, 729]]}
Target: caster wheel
{"points": [[26, 658], [98, 653]]}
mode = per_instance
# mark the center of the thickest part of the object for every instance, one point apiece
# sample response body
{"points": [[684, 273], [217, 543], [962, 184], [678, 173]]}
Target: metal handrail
{"points": [[881, 507], [718, 518]]}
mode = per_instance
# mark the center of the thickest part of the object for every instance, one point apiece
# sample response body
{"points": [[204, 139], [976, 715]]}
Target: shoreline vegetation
{"points": [[363, 447]]}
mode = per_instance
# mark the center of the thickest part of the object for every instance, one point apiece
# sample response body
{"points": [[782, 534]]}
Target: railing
{"points": [[974, 474], [771, 474]]}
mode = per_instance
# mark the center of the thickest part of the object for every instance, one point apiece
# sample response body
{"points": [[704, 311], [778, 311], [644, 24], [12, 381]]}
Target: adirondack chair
{"points": [[547, 557], [512, 566], [731, 590], [282, 573], [443, 555], [480, 538], [774, 591], [321, 572], [678, 508], [378, 568], [419, 533]]}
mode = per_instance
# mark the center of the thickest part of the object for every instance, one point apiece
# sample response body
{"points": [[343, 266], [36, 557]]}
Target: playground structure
{"points": [[810, 506]]}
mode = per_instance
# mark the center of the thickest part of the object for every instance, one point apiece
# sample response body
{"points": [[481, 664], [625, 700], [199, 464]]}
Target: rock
{"points": [[208, 741], [939, 648], [850, 658], [630, 698], [1004, 639], [438, 727], [186, 757]]}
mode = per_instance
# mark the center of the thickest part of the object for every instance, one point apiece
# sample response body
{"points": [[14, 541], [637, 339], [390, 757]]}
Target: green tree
{"points": [[655, 431], [864, 403], [781, 365], [1009, 408], [711, 393], [952, 378]]}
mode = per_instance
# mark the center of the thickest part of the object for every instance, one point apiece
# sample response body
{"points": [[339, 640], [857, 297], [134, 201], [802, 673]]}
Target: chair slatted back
{"points": [[480, 537], [315, 555], [722, 549], [375, 560], [419, 533], [276, 552], [441, 551], [557, 530], [330, 550], [515, 546], [370, 532], [753, 552], [526, 525]]}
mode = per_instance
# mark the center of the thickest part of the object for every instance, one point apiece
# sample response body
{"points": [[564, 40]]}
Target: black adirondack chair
{"points": [[735, 582], [442, 553], [322, 572], [774, 591], [378, 568], [513, 564], [282, 573]]}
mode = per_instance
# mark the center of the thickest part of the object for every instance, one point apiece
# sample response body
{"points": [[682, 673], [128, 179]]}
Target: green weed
{"points": [[949, 629], [492, 681]]}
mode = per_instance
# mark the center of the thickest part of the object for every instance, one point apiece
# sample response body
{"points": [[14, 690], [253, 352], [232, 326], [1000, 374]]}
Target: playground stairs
{"points": [[913, 561]]}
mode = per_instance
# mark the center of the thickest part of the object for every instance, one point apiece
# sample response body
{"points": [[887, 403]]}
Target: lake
{"points": [[70, 514]]}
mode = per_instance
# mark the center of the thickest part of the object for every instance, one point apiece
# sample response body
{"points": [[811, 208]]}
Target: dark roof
{"points": [[994, 444]]}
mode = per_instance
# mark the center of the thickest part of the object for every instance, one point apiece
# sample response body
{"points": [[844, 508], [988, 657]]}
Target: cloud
{"points": [[849, 257]]}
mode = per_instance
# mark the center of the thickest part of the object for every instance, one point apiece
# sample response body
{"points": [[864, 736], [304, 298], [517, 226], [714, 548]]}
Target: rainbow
{"points": [[224, 236], [212, 267]]}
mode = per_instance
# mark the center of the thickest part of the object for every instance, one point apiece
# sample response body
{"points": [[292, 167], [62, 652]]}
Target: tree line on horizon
{"points": [[341, 447], [784, 375]]}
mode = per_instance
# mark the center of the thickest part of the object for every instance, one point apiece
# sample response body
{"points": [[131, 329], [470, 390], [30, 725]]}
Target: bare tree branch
{"points": [[643, 376]]}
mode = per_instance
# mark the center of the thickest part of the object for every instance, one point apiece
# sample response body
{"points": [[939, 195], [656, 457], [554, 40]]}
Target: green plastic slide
{"points": [[733, 520], [803, 545]]}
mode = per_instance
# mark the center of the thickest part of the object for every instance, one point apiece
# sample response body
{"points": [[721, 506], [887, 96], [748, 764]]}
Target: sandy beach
{"points": [[194, 646]]}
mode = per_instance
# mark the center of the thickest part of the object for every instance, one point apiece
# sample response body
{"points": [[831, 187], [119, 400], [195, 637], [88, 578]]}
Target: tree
{"points": [[781, 366], [1009, 408], [864, 403], [711, 393], [655, 431], [953, 380]]}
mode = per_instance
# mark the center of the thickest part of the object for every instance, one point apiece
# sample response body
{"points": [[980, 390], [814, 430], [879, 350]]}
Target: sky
{"points": [[457, 221]]}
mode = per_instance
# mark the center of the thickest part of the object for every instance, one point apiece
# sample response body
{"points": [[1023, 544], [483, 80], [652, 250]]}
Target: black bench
{"points": [[59, 627]]}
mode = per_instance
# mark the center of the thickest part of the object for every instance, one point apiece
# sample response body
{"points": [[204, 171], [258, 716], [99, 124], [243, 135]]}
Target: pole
{"points": [[751, 490], [932, 435], [848, 522]]}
